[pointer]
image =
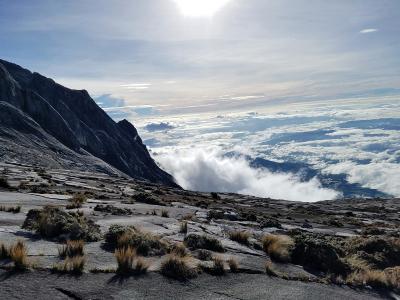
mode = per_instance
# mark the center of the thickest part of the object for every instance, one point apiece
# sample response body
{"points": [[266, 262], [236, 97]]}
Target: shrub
{"points": [[215, 196], [204, 255], [72, 248], [77, 201], [180, 250], [177, 268], [242, 237], [19, 255], [4, 183], [183, 227], [13, 209], [165, 213], [233, 265], [195, 241], [278, 247], [145, 243], [146, 198], [51, 222]]}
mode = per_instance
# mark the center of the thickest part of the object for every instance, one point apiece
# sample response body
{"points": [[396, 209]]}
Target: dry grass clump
{"points": [[183, 227], [72, 248], [233, 265], [180, 250], [242, 237], [77, 201], [73, 265], [165, 213], [19, 255], [129, 262], [381, 279], [177, 267], [11, 209], [278, 247], [189, 217], [217, 268], [195, 241]]}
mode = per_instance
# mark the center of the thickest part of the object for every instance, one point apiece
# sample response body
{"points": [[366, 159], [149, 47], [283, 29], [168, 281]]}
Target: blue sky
{"points": [[152, 59]]}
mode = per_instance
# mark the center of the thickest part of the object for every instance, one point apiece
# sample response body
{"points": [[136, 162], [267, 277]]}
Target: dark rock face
{"points": [[67, 125]]}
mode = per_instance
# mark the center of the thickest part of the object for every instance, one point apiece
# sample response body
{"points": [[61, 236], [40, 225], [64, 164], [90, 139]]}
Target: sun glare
{"points": [[200, 8]]}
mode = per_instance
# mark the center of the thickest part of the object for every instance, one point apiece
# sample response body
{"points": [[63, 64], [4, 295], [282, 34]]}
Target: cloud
{"points": [[159, 126], [381, 176], [369, 30], [207, 170]]}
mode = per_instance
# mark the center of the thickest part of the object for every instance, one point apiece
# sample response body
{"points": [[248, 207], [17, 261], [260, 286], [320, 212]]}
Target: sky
{"points": [[304, 81], [166, 57]]}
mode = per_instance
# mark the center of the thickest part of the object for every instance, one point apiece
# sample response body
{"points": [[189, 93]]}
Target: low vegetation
{"points": [[180, 250], [177, 267], [278, 247], [52, 222], [195, 241], [242, 237], [165, 213], [204, 254], [72, 248], [11, 209], [129, 262], [4, 183], [77, 201], [183, 227], [145, 243], [233, 265], [19, 256], [4, 251], [73, 265]]}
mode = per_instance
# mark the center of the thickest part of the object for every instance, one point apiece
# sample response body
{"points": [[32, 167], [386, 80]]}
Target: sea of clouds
{"points": [[359, 139]]}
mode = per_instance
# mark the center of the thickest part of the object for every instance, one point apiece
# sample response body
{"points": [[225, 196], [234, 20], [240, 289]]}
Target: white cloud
{"points": [[207, 170], [369, 30], [384, 177]]}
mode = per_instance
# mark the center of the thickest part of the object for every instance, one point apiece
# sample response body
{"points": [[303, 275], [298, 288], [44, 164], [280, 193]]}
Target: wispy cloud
{"points": [[369, 30], [136, 86]]}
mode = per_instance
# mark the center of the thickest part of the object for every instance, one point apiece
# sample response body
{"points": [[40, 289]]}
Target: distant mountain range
{"points": [[43, 123], [305, 172]]}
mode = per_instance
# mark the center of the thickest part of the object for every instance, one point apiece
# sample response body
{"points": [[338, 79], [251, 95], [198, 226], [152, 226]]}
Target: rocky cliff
{"points": [[48, 124]]}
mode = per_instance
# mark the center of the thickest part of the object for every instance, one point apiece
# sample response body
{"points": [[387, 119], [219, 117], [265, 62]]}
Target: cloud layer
{"points": [[208, 170]]}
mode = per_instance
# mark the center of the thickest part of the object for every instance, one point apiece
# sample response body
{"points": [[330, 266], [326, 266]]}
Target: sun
{"points": [[200, 8]]}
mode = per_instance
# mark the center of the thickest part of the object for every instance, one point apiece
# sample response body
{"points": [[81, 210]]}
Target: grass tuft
{"points": [[195, 241], [77, 201], [73, 265], [177, 267], [165, 213], [19, 255], [12, 209], [242, 237], [183, 227], [233, 265], [278, 247], [72, 249], [129, 262]]}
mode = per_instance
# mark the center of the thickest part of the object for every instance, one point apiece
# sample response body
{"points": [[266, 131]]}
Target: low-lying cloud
{"points": [[210, 171]]}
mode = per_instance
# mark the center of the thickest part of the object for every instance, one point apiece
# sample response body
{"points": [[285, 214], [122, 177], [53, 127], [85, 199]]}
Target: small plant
{"points": [[195, 241], [72, 249], [233, 265], [77, 201], [165, 213], [183, 227], [177, 268], [278, 247], [154, 212], [73, 265], [19, 255], [12, 209], [180, 250], [242, 237], [215, 196], [129, 262], [4, 183], [204, 254], [189, 217], [218, 266]]}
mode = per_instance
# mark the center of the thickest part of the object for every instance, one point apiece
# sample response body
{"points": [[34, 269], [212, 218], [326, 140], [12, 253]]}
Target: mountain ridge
{"points": [[54, 119]]}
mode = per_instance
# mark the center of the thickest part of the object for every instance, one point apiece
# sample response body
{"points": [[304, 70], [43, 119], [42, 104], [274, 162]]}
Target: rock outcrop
{"points": [[45, 123]]}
